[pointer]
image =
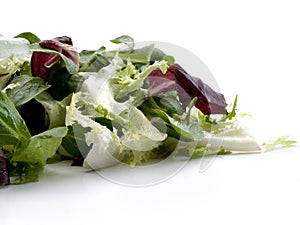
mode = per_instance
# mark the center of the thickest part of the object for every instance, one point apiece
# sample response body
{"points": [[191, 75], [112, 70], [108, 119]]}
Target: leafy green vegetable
{"points": [[124, 39], [24, 88], [130, 105], [93, 60], [14, 53], [138, 56], [16, 48], [74, 143], [12, 126], [39, 148], [32, 38], [232, 113], [129, 79], [55, 110], [139, 133], [283, 141]]}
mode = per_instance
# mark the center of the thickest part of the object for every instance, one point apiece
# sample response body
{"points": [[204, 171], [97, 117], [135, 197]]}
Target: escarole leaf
{"points": [[70, 65], [40, 147], [24, 88], [12, 126]]}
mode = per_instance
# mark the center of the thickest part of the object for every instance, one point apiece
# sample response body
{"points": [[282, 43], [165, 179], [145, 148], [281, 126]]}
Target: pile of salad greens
{"points": [[102, 107]]}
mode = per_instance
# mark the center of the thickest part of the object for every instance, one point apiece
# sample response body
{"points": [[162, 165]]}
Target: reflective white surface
{"points": [[252, 49], [247, 189]]}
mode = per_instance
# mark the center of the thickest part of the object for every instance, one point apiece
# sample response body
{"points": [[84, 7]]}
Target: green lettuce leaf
{"points": [[138, 56], [124, 39], [32, 38], [12, 126], [39, 148], [24, 88]]}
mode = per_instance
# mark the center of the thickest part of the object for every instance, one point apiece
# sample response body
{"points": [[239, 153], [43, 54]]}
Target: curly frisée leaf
{"points": [[129, 79], [283, 141], [105, 147], [141, 135], [104, 144]]}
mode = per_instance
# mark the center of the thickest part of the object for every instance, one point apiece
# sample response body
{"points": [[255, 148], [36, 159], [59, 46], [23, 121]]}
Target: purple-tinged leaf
{"points": [[43, 64], [188, 87], [4, 177]]}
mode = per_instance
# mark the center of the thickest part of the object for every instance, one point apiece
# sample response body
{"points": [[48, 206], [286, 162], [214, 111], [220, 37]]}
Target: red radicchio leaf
{"points": [[43, 64], [160, 83], [4, 177], [188, 87]]}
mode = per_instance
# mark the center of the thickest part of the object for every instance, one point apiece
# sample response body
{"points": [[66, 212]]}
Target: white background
{"points": [[251, 47]]}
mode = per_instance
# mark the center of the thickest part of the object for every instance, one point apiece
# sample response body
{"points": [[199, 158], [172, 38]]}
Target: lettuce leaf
{"points": [[24, 88], [12, 126], [38, 148]]}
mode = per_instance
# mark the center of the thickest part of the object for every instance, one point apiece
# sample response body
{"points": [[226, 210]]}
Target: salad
{"points": [[101, 107]]}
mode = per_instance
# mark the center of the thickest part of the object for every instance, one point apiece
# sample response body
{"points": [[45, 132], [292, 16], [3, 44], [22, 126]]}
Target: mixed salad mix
{"points": [[101, 107]]}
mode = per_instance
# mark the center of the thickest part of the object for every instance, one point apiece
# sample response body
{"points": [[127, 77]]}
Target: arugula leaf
{"points": [[12, 126], [24, 88]]}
